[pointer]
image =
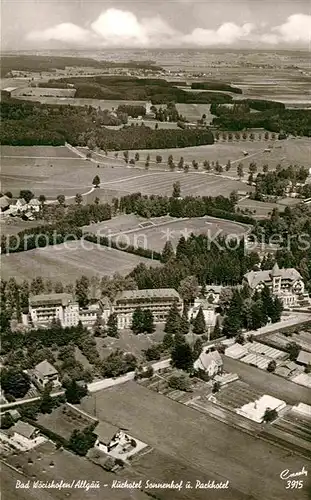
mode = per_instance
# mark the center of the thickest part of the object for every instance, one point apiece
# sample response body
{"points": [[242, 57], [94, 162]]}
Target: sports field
{"points": [[69, 261], [200, 443], [155, 232]]}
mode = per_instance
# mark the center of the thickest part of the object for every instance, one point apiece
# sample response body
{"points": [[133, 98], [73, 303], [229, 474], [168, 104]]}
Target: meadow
{"points": [[213, 449], [69, 261]]}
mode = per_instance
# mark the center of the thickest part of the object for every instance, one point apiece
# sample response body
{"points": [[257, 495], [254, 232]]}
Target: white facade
{"points": [[44, 373], [256, 409], [159, 301], [287, 284], [43, 309]]}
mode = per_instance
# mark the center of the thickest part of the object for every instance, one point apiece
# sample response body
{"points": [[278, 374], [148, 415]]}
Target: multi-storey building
{"points": [[43, 309], [158, 300], [287, 284]]}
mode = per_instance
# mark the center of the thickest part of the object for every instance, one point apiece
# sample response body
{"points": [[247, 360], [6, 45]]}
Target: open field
{"points": [[194, 112], [36, 152], [54, 176], [76, 101], [155, 232], [68, 261], [198, 441], [36, 465]]}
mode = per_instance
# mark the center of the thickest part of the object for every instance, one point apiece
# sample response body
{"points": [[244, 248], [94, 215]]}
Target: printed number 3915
{"points": [[291, 485]]}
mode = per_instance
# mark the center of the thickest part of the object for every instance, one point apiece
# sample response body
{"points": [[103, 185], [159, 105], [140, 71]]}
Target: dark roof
{"points": [[52, 298], [45, 369], [24, 429], [105, 431]]}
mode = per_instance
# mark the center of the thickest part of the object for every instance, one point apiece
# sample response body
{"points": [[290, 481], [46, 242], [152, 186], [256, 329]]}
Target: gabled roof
{"points": [[5, 201], [45, 369], [105, 432], [254, 278], [304, 357], [206, 358], [24, 429]]}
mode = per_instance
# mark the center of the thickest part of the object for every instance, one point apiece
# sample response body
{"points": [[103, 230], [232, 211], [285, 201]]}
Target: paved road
{"points": [[268, 382], [294, 319]]}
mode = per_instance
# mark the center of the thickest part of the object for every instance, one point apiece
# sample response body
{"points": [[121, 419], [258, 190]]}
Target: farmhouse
{"points": [[44, 373], [56, 306], [210, 362], [287, 284], [158, 300]]}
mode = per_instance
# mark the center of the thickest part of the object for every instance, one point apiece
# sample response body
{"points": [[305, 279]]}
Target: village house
{"points": [[4, 203], [287, 284], [24, 433], [44, 373], [109, 437], [209, 362]]}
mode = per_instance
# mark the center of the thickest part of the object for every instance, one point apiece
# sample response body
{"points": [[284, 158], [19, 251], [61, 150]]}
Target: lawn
{"points": [[63, 421], [47, 463], [69, 261], [215, 450], [131, 231]]}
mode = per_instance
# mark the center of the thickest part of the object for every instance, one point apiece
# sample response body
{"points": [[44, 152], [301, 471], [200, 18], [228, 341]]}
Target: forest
{"points": [[271, 116], [34, 124], [158, 91]]}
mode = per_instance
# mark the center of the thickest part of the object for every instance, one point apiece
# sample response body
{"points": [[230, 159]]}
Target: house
{"points": [[88, 315], [34, 205], [209, 362], [158, 300], [287, 284], [4, 203], [18, 206], [24, 433], [208, 311], [304, 358], [109, 436], [255, 410], [44, 373]]}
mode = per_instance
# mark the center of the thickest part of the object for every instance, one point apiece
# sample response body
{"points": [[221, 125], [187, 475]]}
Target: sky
{"points": [[43, 24]]}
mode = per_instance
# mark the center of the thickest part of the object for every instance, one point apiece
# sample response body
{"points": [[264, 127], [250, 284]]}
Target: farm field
{"points": [[237, 394], [76, 101], [295, 151], [74, 175], [157, 231], [295, 424], [198, 441], [69, 261], [266, 382]]}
